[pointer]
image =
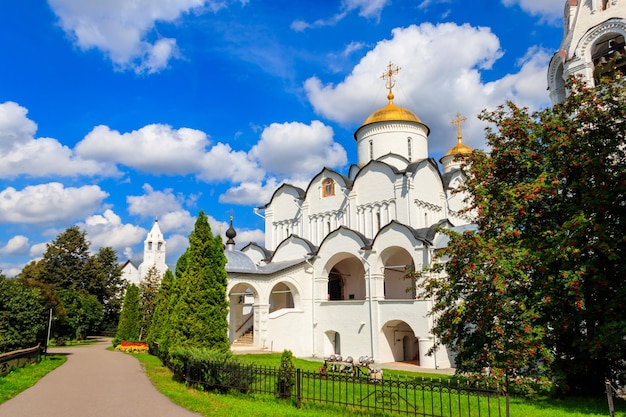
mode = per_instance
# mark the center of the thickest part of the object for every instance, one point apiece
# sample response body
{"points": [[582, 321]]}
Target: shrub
{"points": [[211, 370], [286, 375]]}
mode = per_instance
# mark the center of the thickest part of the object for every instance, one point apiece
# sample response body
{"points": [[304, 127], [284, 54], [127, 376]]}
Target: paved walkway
{"points": [[94, 382]]}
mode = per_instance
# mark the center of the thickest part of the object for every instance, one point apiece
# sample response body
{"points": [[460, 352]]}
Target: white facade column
{"points": [[261, 313]]}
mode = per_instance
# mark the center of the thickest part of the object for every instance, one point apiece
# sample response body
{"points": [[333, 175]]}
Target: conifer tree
{"points": [[128, 327], [159, 317], [149, 288], [199, 317]]}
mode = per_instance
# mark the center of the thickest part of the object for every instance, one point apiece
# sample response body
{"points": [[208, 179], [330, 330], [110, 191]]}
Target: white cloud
{"points": [[155, 148], [17, 245], [107, 229], [23, 154], [550, 10], [122, 29], [160, 149], [246, 236], [49, 203], [370, 9], [223, 163], [166, 206], [298, 150], [366, 8], [250, 193], [176, 245], [37, 250], [434, 84], [154, 203], [178, 221]]}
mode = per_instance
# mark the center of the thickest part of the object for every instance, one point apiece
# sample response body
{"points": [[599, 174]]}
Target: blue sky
{"points": [[114, 112]]}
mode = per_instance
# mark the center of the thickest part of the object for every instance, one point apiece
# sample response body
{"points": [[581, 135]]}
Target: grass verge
{"points": [[212, 404], [20, 379]]}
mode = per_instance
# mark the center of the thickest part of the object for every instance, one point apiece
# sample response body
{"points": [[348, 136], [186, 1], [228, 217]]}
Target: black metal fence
{"points": [[357, 390], [17, 359]]}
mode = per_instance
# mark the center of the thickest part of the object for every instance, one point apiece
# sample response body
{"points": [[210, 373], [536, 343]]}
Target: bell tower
{"points": [[593, 36], [153, 252]]}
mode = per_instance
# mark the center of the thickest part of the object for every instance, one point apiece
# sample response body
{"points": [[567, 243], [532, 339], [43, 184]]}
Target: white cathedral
{"points": [[153, 255], [330, 276]]}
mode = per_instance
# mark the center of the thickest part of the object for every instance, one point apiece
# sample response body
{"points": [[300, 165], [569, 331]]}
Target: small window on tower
{"points": [[149, 245], [159, 245], [328, 188], [371, 149]]}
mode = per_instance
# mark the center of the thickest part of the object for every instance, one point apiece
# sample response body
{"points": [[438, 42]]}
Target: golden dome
{"points": [[392, 113], [459, 149]]}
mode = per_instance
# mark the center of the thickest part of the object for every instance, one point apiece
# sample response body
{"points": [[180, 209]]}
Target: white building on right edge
{"points": [[594, 33]]}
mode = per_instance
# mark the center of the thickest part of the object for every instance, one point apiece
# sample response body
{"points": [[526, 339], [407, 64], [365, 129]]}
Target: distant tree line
{"points": [[84, 292]]}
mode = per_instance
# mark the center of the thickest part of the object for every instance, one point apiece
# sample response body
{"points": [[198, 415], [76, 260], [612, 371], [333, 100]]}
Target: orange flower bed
{"points": [[132, 347]]}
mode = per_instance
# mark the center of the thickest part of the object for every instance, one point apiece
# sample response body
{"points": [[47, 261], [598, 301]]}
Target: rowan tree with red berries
{"points": [[539, 288]]}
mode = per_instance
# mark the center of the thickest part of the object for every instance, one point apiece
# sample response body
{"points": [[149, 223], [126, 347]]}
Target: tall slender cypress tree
{"points": [[128, 327], [199, 317]]}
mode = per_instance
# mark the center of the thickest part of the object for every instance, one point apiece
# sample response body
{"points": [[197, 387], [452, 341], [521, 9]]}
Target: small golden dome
{"points": [[459, 149]]}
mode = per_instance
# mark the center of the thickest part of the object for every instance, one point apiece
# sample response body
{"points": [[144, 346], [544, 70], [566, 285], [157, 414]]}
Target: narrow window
{"points": [[409, 150], [159, 245], [149, 245], [371, 149], [378, 220]]}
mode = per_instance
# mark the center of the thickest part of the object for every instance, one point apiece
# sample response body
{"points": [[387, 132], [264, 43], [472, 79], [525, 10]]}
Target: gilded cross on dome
{"points": [[458, 122], [388, 77]]}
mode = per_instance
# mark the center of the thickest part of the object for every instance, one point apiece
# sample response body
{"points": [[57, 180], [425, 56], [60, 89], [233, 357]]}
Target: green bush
{"points": [[211, 370], [286, 375]]}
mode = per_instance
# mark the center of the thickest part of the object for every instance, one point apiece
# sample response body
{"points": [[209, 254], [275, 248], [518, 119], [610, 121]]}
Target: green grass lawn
{"points": [[21, 379], [212, 404]]}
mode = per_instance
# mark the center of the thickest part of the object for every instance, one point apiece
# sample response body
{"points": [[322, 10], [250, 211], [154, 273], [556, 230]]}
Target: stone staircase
{"points": [[245, 339]]}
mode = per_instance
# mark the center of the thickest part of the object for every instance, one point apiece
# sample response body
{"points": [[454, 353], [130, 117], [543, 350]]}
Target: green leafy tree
{"points": [[103, 279], [199, 317], [130, 319], [84, 314], [30, 277], [149, 289], [64, 260], [538, 289], [23, 315]]}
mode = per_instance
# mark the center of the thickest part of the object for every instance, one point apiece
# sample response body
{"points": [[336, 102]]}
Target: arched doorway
{"points": [[401, 340], [332, 343], [241, 314]]}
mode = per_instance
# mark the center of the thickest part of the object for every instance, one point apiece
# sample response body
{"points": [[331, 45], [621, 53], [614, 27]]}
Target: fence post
{"points": [[298, 388], [609, 396]]}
